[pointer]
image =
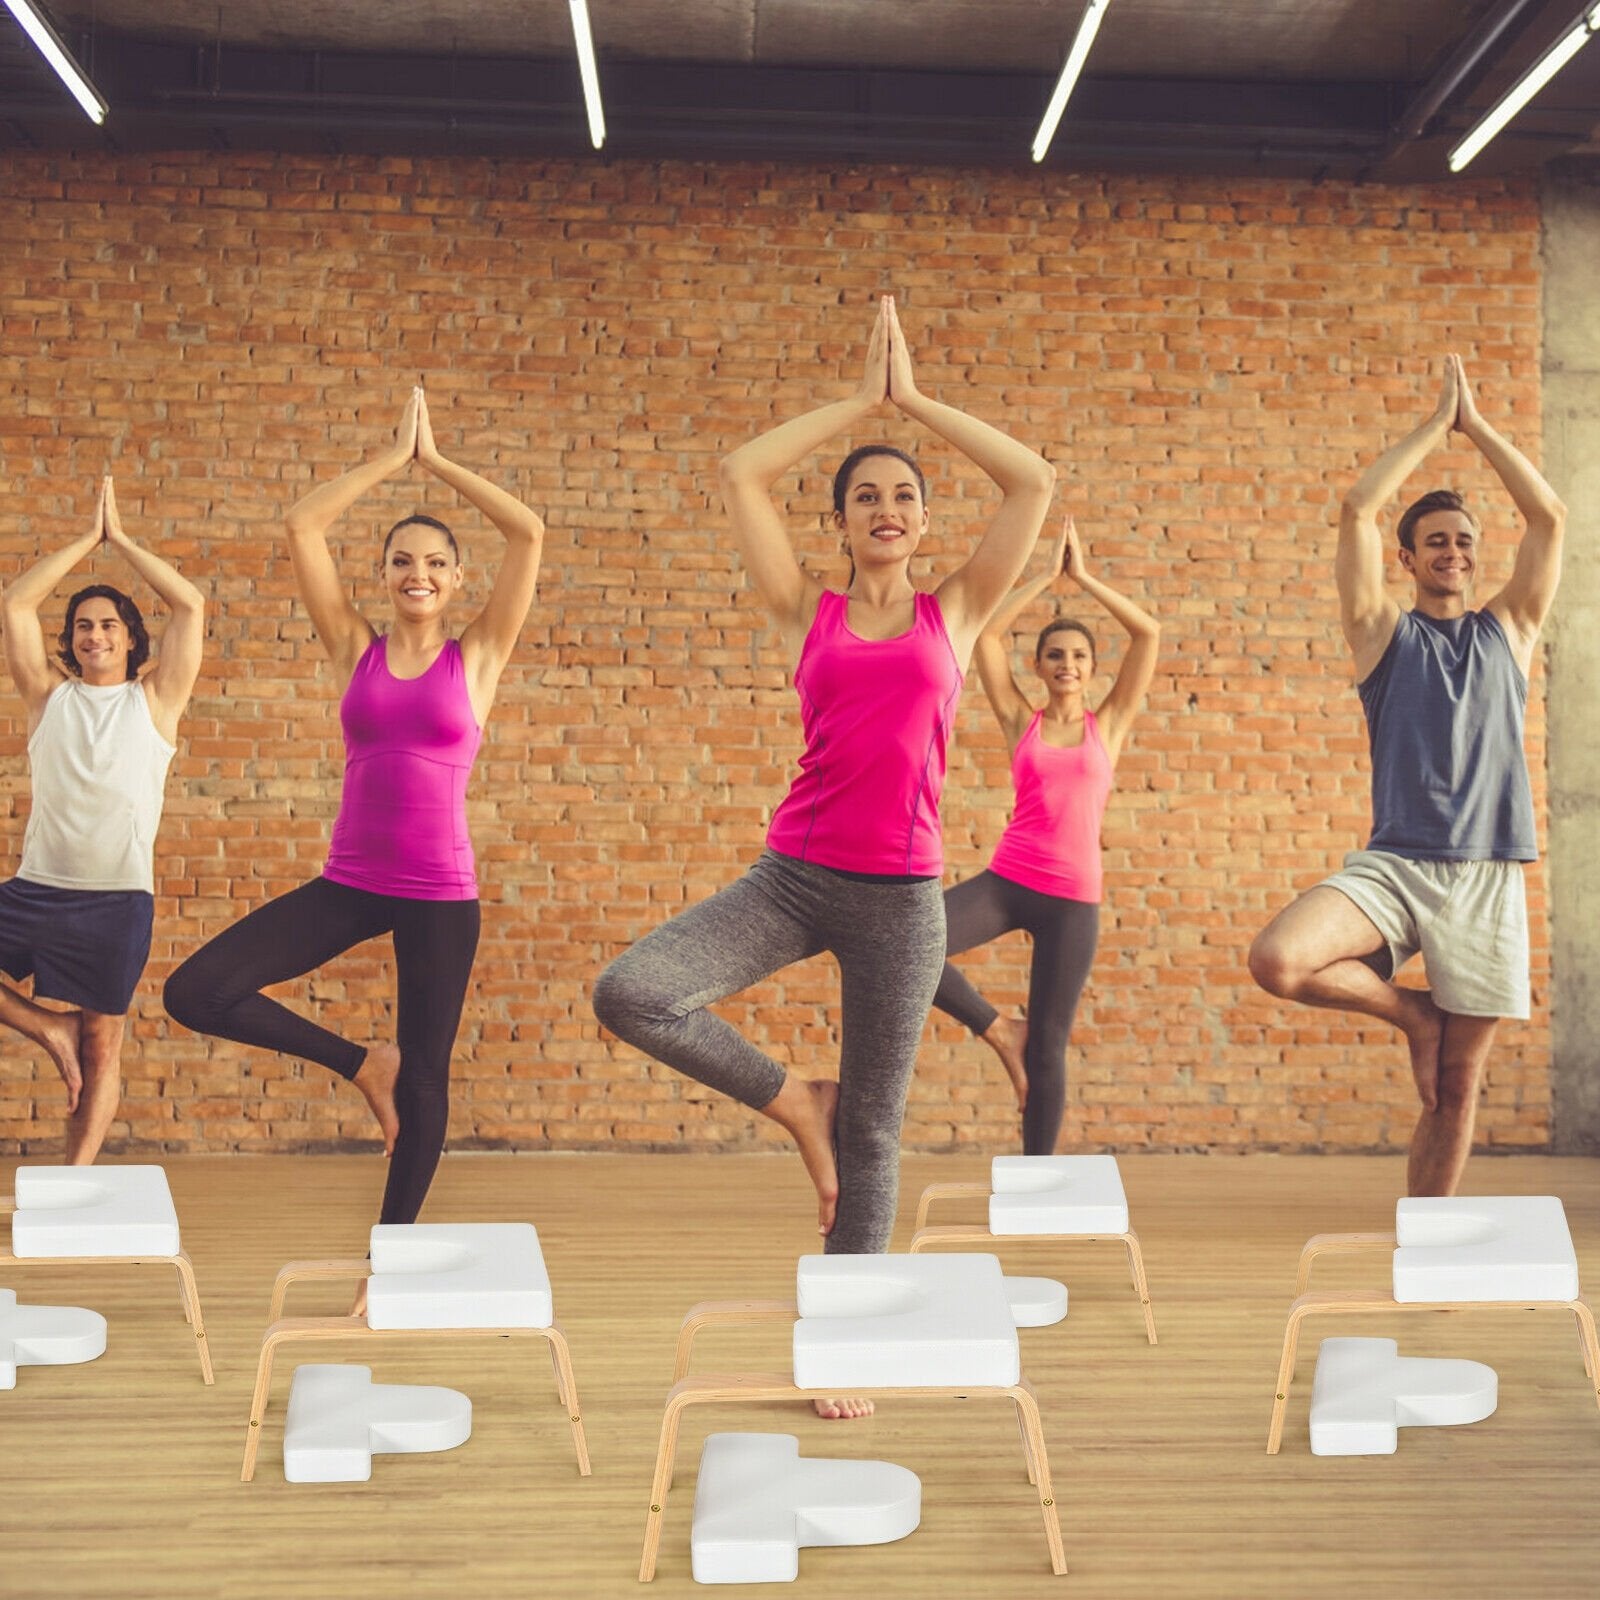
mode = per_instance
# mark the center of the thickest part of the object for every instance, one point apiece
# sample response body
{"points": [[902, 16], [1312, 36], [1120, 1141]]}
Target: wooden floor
{"points": [[120, 1478]]}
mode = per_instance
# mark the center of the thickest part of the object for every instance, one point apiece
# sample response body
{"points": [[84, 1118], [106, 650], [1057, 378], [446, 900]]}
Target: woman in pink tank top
{"points": [[853, 858], [1045, 873], [414, 703]]}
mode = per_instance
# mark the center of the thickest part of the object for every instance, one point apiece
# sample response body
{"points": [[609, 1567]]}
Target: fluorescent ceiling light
{"points": [[1088, 27], [1527, 86], [56, 53], [590, 72]]}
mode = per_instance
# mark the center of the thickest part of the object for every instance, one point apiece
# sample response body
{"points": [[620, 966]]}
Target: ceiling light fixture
{"points": [[48, 42], [1088, 27], [1578, 34], [589, 71]]}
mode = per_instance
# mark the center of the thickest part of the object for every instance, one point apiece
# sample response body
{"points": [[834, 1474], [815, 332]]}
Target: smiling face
{"points": [[1065, 662], [884, 517], [421, 571], [1443, 558], [100, 641]]}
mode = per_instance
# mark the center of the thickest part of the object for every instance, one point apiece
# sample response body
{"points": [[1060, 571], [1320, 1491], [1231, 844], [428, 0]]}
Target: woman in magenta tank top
{"points": [[1045, 873], [400, 862], [853, 854]]}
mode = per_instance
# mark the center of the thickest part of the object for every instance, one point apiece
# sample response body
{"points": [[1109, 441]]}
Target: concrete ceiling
{"points": [[1285, 86]]}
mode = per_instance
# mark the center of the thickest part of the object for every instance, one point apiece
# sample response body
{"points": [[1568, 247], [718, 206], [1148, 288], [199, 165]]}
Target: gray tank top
{"points": [[1444, 720]]}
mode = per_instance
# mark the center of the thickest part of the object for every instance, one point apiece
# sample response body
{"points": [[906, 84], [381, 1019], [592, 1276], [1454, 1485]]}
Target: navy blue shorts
{"points": [[84, 946]]}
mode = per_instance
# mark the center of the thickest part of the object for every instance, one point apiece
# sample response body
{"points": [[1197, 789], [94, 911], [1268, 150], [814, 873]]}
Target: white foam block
{"points": [[94, 1211], [1056, 1194], [339, 1419], [758, 1501], [458, 1275], [1364, 1392], [1036, 1302], [1505, 1247], [876, 1322], [46, 1336]]}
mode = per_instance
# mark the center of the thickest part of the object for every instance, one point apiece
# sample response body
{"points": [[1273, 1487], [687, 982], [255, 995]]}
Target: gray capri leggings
{"points": [[888, 937], [1064, 934]]}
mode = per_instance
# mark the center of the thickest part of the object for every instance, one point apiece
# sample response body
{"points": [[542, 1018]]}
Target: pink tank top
{"points": [[877, 716], [409, 745], [1052, 844]]}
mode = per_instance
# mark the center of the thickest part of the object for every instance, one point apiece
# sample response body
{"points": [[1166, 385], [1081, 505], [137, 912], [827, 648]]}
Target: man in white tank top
{"points": [[101, 733]]}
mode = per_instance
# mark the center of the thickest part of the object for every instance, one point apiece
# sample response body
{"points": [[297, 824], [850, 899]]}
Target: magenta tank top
{"points": [[1052, 844], [877, 715], [409, 745]]}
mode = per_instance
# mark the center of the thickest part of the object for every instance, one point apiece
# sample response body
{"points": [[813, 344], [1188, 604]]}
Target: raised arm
{"points": [[992, 653], [1367, 611], [1117, 711], [491, 636], [971, 594], [344, 632], [1523, 604], [171, 681], [748, 474], [27, 654]]}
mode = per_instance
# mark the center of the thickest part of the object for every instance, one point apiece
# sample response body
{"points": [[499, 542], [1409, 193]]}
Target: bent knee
{"points": [[623, 1002], [186, 1001], [200, 997], [1273, 968]]}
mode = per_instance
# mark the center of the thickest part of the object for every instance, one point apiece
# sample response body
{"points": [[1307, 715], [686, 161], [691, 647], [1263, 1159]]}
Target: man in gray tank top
{"points": [[1443, 688], [77, 916]]}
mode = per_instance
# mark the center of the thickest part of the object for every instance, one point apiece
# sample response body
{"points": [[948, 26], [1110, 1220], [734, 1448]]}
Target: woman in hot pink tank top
{"points": [[853, 858], [414, 704], [1045, 874]]}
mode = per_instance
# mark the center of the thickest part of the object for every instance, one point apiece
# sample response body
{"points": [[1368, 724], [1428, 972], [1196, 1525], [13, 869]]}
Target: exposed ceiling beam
{"points": [[174, 94]]}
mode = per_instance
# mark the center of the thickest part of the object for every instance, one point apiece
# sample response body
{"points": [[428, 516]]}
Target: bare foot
{"points": [[1424, 1029], [842, 1410], [807, 1108], [817, 1152], [375, 1079], [1008, 1038], [60, 1035]]}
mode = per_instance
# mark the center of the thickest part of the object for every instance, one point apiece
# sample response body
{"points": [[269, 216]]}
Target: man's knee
{"points": [[1272, 967], [1461, 1076]]}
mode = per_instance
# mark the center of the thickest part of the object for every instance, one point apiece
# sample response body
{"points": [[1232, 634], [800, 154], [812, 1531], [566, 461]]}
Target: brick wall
{"points": [[1207, 364]]}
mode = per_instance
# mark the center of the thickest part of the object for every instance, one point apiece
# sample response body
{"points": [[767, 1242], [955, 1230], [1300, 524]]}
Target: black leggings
{"points": [[216, 992], [1064, 934]]}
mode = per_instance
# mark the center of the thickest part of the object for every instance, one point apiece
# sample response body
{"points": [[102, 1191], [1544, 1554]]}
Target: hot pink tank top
{"points": [[409, 745], [877, 716], [1052, 844]]}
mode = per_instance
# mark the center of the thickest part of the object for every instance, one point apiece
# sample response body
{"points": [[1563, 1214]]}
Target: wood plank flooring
{"points": [[120, 1478]]}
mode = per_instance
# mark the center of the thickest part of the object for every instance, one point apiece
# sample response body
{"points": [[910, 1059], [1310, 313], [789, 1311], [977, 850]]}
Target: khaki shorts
{"points": [[1469, 920]]}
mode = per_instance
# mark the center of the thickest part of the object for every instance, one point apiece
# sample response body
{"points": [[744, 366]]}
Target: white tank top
{"points": [[99, 768]]}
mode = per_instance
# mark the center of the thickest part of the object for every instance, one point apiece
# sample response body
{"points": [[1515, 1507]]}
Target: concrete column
{"points": [[1571, 205]]}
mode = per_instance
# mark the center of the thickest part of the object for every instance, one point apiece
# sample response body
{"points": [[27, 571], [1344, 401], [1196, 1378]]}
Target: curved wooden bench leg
{"points": [[183, 1295], [258, 1405], [659, 1486], [280, 1293], [1027, 1445], [555, 1367], [1280, 1401], [1141, 1285], [944, 1191], [1028, 1412], [191, 1294], [568, 1390], [1591, 1349]]}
